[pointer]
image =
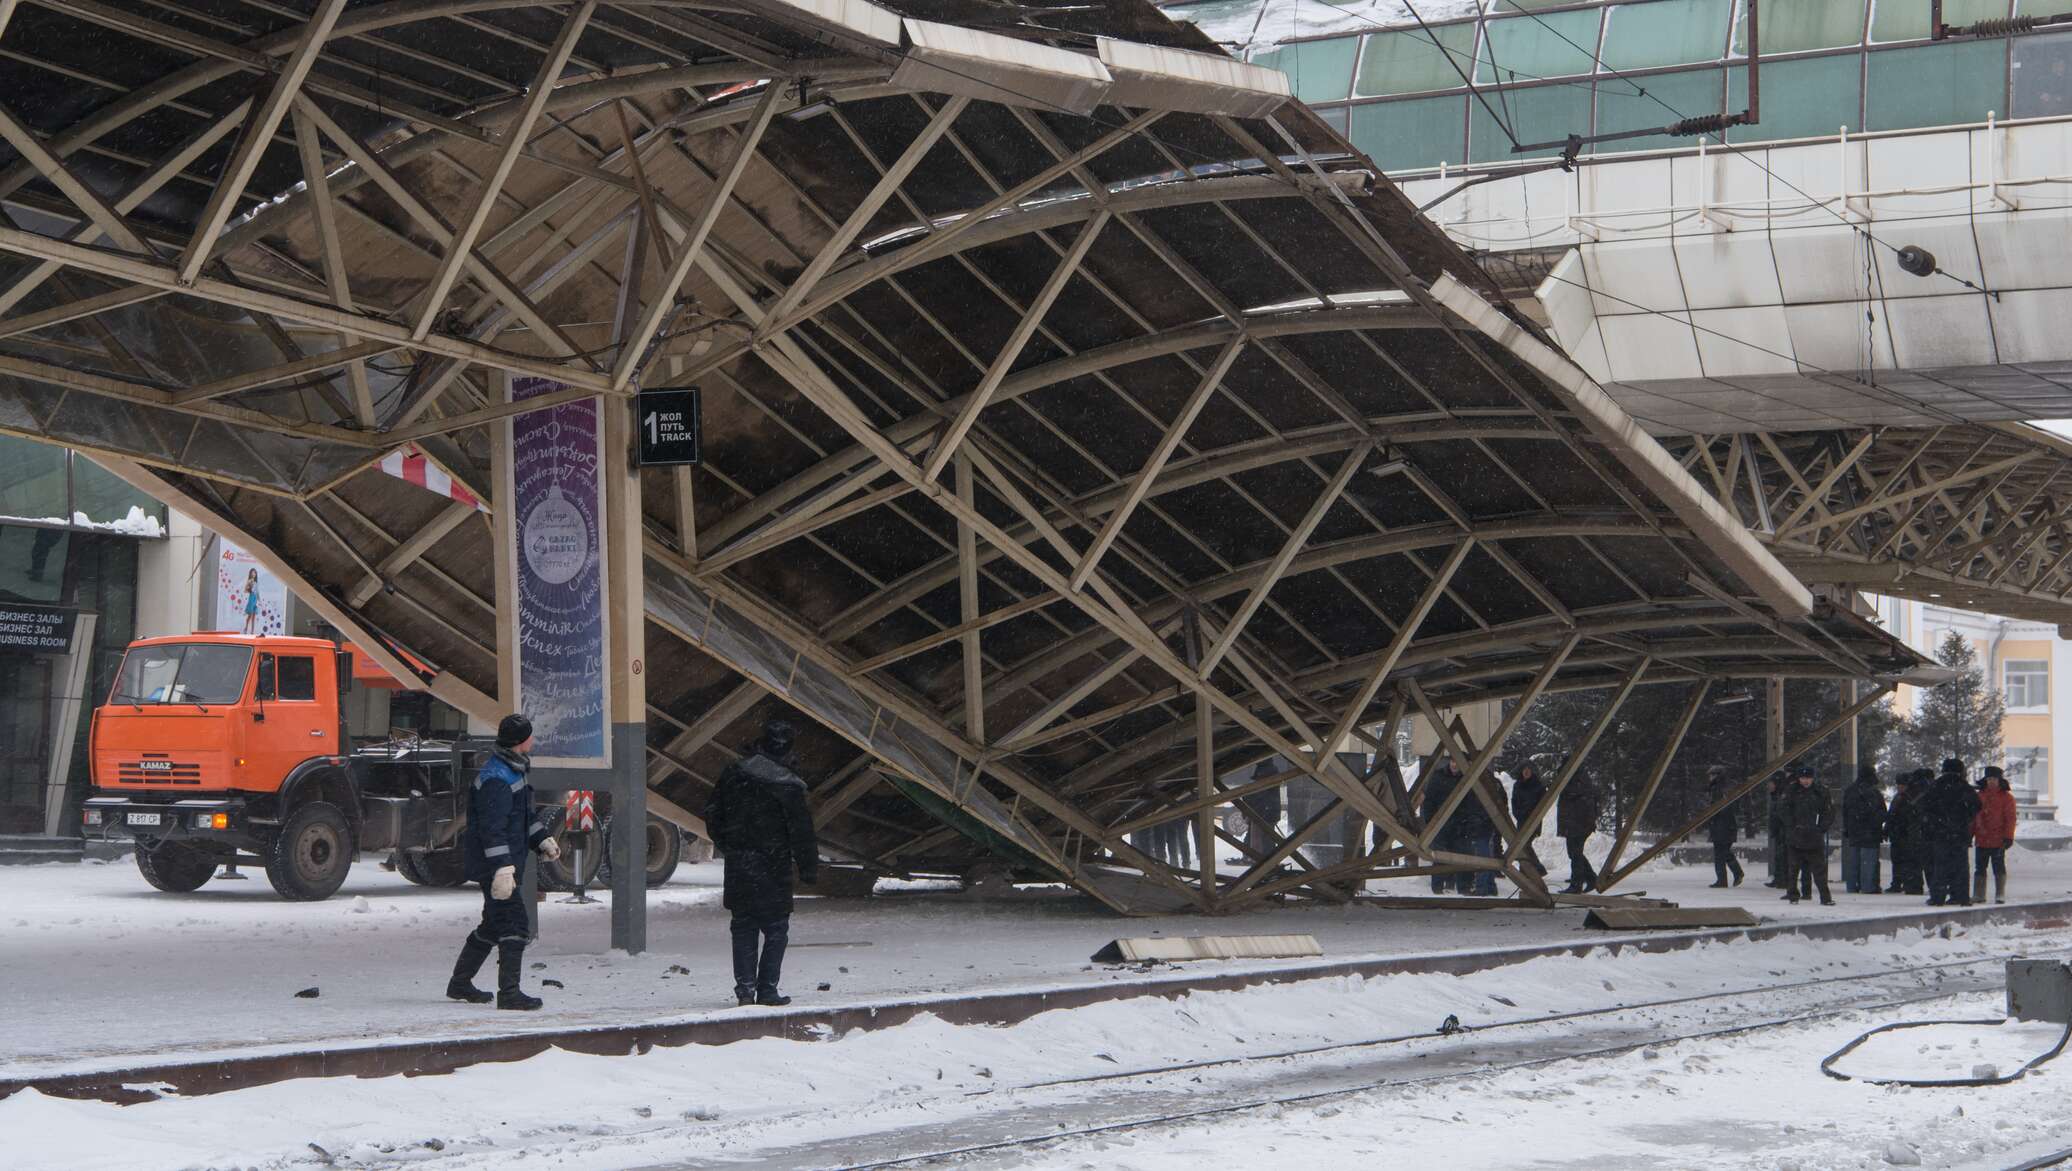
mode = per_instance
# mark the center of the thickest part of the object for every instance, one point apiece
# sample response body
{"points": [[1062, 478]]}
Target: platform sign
{"points": [[39, 630], [668, 421], [554, 481]]}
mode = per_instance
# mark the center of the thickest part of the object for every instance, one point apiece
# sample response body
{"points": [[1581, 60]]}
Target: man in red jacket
{"points": [[1992, 832]]}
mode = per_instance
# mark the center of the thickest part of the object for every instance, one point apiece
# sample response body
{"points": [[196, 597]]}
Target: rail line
{"points": [[1282, 1100]]}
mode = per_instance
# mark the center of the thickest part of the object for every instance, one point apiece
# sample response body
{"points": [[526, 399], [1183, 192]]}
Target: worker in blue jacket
{"points": [[502, 830]]}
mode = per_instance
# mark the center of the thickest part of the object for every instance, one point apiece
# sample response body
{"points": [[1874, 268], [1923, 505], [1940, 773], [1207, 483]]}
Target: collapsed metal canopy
{"points": [[1084, 423]]}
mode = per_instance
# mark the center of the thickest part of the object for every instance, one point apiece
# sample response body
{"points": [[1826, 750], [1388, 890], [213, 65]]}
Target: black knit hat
{"points": [[777, 736], [1952, 765], [513, 730], [1993, 770]]}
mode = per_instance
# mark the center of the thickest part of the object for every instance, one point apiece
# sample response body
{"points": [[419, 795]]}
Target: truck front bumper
{"points": [[211, 819]]}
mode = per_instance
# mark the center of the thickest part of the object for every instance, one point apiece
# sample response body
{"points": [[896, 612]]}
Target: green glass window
{"points": [[2043, 75], [32, 480], [1907, 20], [1797, 26], [1408, 62], [1319, 71], [1524, 47], [1413, 135], [1526, 5], [1217, 12], [1648, 36], [1934, 85], [1620, 108], [1808, 98], [108, 499], [1542, 113]]}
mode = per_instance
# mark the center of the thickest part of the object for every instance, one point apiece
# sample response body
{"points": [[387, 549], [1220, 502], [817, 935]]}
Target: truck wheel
{"points": [[175, 867], [664, 851], [307, 861], [432, 868], [560, 873]]}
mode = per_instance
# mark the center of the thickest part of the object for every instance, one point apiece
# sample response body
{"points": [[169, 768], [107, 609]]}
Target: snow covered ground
{"points": [[1754, 1100], [122, 973]]}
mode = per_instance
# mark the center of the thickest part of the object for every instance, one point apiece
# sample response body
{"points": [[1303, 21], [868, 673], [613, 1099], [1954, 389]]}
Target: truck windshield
{"points": [[183, 673]]}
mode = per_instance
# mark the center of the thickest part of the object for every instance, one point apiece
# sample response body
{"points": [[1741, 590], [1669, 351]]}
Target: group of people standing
{"points": [[1931, 822], [1472, 828], [757, 816]]}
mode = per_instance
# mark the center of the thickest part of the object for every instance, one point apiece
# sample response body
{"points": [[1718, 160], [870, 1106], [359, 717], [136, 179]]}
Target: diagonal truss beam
{"points": [[258, 135], [1025, 329], [1297, 538], [1611, 877], [516, 135]]}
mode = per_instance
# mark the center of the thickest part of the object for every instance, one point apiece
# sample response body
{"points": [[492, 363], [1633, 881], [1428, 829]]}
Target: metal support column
{"points": [[626, 608]]}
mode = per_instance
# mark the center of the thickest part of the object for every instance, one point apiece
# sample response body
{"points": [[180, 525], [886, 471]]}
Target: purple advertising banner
{"points": [[557, 515]]}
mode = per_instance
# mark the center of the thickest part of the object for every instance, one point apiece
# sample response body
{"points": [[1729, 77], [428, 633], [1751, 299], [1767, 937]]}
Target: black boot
{"points": [[473, 951], [510, 964], [770, 965]]}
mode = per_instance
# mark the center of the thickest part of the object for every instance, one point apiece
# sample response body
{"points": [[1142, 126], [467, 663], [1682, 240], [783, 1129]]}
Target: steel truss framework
{"points": [[1970, 516], [1061, 467]]}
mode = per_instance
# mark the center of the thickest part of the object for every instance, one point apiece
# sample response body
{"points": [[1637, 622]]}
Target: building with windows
{"points": [[1399, 89], [2030, 665]]}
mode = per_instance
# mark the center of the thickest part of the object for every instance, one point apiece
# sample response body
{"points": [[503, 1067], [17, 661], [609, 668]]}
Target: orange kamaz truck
{"points": [[217, 748]]}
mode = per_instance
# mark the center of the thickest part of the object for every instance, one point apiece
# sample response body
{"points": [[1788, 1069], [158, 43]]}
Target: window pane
{"points": [[1526, 47], [1319, 71], [1801, 99], [32, 480], [1619, 107], [1645, 36], [1794, 26], [1334, 117], [1935, 85], [1907, 20], [1407, 62], [32, 563], [2042, 75], [1545, 113], [298, 678], [1411, 136], [105, 499]]}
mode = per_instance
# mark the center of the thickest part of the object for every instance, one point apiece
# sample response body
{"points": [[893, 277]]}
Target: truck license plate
{"points": [[143, 819]]}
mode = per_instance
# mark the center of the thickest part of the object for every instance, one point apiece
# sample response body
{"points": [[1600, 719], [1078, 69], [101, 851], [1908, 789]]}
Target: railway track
{"points": [[1144, 1098]]}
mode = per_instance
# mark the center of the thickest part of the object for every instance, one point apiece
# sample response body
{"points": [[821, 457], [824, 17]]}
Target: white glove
{"points": [[505, 884], [550, 849]]}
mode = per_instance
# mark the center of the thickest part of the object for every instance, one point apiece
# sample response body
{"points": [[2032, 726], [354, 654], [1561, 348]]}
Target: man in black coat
{"points": [[501, 833], [1723, 828], [1437, 783], [1863, 828], [1780, 855], [758, 819], [1808, 811], [1903, 829], [1946, 815], [1527, 791], [1575, 819]]}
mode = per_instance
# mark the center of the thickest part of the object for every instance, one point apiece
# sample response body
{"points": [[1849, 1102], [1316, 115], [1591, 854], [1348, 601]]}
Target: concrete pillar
{"points": [[1773, 719], [1847, 696]]}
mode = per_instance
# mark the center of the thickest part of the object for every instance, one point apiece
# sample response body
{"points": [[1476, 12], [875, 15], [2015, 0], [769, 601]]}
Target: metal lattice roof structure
{"points": [[1085, 423]]}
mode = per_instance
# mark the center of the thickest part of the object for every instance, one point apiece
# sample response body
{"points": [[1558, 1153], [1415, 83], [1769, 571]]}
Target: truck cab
{"points": [[217, 748]]}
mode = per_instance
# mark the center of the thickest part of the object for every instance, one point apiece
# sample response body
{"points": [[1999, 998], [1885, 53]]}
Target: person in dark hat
{"points": [[1808, 811], [501, 832], [1947, 812], [1903, 829], [758, 819], [1723, 828]]}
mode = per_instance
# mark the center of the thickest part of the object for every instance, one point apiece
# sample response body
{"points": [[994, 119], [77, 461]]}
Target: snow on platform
{"points": [[105, 973]]}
